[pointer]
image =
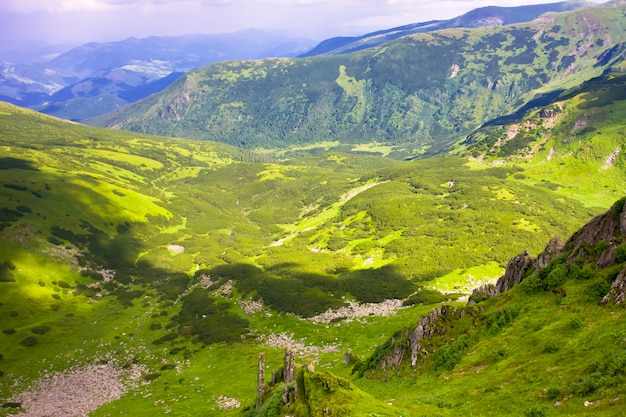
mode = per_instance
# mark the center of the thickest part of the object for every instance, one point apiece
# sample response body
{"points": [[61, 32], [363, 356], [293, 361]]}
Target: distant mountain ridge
{"points": [[415, 95], [482, 17], [95, 78]]}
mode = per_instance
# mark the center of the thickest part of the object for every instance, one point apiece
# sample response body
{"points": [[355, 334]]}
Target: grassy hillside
{"points": [[550, 346], [576, 140], [409, 97], [165, 266]]}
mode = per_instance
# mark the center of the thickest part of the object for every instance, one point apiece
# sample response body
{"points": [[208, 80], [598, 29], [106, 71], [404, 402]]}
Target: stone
{"points": [[617, 293], [289, 363], [260, 378]]}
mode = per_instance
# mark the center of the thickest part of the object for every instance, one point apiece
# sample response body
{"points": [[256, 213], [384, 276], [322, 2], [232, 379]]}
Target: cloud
{"points": [[106, 20], [23, 6], [28, 6]]}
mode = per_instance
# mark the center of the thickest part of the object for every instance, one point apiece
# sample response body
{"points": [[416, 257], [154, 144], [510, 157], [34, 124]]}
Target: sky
{"points": [[81, 21]]}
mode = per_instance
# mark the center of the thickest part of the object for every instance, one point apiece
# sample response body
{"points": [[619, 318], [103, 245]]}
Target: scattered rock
{"points": [[176, 248], [355, 310], [252, 307], [610, 161], [226, 403], [547, 113], [76, 392], [286, 341]]}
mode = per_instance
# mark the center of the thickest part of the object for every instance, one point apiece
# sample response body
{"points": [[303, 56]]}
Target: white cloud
{"points": [[105, 20], [26, 6], [381, 5]]}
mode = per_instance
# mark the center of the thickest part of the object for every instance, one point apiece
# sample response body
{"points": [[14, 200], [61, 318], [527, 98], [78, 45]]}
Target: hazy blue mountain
{"points": [[482, 17], [51, 80]]}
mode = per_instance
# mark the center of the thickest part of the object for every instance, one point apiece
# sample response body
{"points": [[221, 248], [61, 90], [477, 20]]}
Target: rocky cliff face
{"points": [[601, 242], [597, 242], [609, 227], [415, 344]]}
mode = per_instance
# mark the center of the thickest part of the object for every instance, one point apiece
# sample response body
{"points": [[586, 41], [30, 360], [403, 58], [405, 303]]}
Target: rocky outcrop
{"points": [[426, 328], [606, 231], [514, 274], [554, 247], [617, 293], [289, 366], [609, 227], [261, 388], [416, 342], [601, 241]]}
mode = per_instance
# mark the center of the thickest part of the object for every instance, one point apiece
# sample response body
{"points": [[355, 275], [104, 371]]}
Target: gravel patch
{"points": [[355, 310], [76, 392]]}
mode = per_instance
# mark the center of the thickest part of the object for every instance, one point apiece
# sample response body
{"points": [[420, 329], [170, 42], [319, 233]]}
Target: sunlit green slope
{"points": [[573, 145], [552, 345], [409, 97], [174, 263]]}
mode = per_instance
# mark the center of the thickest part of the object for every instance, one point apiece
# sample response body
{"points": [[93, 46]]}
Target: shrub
{"points": [[537, 410], [596, 291], [167, 338], [551, 346], [29, 341], [173, 285], [63, 284], [601, 246], [448, 356], [5, 271], [54, 241], [575, 323], [532, 284], [151, 377], [553, 393], [498, 354], [620, 253], [426, 296], [8, 331], [549, 278], [336, 243], [498, 320], [556, 277], [126, 297], [40, 329], [585, 273]]}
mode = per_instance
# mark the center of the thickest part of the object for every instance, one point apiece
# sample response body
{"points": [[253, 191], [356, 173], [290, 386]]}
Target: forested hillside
{"points": [[411, 97]]}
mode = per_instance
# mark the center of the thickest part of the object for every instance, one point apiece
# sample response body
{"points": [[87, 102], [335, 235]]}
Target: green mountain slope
{"points": [[576, 140], [165, 266], [414, 95], [552, 345], [489, 16]]}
